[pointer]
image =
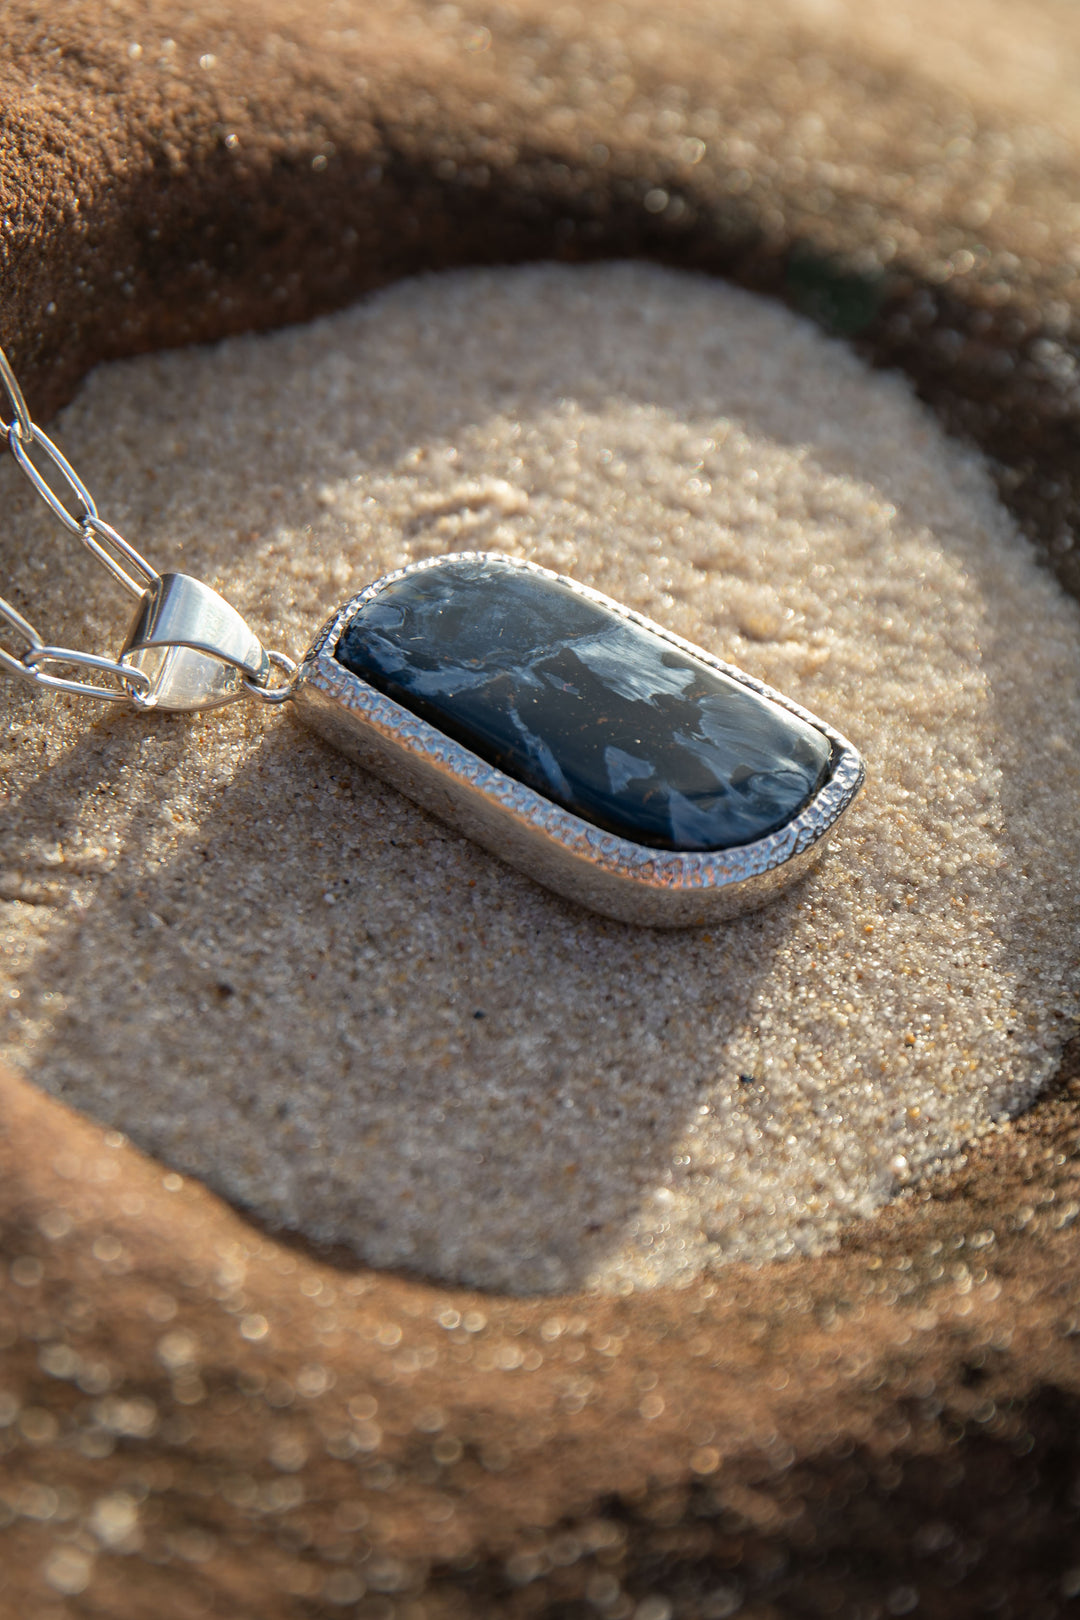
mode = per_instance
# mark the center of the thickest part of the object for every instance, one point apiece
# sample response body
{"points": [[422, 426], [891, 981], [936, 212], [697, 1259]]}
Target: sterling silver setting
{"points": [[188, 649], [627, 881]]}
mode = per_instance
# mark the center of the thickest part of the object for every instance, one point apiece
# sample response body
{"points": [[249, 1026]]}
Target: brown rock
{"points": [[200, 1419], [197, 1416]]}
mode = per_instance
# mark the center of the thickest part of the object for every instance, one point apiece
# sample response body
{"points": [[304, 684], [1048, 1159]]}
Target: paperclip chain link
{"points": [[125, 564], [35, 454]]}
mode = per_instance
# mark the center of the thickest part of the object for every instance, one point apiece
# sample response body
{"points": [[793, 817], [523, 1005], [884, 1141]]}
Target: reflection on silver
{"points": [[628, 881], [195, 647]]}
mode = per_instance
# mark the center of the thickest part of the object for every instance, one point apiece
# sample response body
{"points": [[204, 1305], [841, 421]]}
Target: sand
{"points": [[276, 974]]}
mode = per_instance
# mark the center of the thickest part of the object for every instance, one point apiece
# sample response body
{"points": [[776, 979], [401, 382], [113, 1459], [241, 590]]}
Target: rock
{"points": [[190, 1423], [585, 707]]}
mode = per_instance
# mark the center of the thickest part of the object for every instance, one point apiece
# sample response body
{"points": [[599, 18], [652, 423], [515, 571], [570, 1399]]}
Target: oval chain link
{"points": [[20, 416], [19, 446], [131, 570], [23, 629]]}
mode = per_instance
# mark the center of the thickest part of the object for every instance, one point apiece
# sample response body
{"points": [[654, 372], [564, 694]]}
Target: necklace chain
{"points": [[33, 452]]}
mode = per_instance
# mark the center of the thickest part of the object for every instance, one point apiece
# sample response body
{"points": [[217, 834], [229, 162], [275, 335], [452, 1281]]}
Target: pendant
{"points": [[610, 760], [613, 762]]}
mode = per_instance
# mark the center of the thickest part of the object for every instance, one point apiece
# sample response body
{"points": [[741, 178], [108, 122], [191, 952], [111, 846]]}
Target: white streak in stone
{"points": [[642, 678], [623, 768]]}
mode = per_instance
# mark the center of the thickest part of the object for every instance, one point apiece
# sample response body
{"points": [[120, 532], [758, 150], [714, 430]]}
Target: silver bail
{"points": [[196, 649]]}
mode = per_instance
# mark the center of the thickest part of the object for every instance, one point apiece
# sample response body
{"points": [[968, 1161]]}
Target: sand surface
{"points": [[278, 975]]}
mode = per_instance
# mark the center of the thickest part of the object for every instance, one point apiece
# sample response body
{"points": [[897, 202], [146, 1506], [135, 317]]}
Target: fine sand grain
{"points": [[278, 975]]}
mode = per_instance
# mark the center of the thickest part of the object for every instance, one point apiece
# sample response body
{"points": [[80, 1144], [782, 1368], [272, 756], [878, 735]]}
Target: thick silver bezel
{"points": [[611, 875]]}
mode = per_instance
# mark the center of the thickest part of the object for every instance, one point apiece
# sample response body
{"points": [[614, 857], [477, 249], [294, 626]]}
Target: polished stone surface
{"points": [[594, 712]]}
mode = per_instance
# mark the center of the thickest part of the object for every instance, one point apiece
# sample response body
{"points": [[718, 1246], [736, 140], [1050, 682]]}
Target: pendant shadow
{"points": [[361, 1026]]}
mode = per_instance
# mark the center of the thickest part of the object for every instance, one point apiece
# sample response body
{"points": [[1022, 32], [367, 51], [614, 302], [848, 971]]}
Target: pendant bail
{"points": [[195, 648]]}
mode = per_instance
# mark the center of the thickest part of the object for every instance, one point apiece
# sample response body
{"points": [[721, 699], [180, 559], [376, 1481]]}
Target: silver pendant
{"points": [[611, 761], [607, 758]]}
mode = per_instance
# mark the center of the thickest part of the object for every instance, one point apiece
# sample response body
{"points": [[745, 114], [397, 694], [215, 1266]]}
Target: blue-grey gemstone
{"points": [[596, 713]]}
